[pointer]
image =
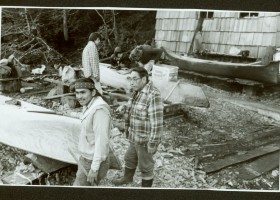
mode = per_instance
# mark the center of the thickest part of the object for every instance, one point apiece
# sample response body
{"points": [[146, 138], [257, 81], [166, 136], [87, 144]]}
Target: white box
{"points": [[276, 56], [165, 72]]}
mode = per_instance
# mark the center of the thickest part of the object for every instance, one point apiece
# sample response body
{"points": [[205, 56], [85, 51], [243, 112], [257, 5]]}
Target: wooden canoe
{"points": [[184, 93], [48, 135], [251, 71]]}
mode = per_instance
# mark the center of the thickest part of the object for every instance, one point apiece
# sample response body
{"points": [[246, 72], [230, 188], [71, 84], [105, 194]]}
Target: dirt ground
{"points": [[203, 135]]}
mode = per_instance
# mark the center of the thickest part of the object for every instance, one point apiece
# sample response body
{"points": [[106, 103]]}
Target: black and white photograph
{"points": [[140, 98]]}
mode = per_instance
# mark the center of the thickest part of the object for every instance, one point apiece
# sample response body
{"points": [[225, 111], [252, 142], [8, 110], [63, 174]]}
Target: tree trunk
{"points": [[116, 30], [65, 27], [27, 21]]}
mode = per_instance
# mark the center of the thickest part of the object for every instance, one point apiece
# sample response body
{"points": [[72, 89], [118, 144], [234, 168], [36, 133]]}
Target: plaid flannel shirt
{"points": [[90, 61], [145, 116]]}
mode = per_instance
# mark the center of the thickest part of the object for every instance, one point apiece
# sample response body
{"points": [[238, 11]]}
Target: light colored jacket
{"points": [[95, 132]]}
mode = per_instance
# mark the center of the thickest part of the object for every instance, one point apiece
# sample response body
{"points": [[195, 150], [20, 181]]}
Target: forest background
{"points": [[57, 36]]}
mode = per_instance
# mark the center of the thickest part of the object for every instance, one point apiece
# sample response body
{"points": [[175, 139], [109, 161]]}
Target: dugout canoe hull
{"points": [[184, 92], [268, 74]]}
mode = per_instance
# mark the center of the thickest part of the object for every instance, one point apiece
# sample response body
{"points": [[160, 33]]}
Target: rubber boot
{"points": [[127, 178], [147, 183]]}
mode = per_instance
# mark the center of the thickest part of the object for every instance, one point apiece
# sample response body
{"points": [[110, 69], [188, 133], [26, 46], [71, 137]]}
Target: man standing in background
{"points": [[90, 60]]}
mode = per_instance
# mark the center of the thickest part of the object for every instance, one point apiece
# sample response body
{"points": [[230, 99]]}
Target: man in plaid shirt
{"points": [[90, 60], [144, 122]]}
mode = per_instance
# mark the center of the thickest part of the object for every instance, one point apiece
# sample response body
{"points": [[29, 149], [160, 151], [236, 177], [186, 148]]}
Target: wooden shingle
{"points": [[181, 14], [260, 24], [269, 39], [184, 36], [253, 50], [257, 39], [175, 36], [165, 14], [193, 14], [253, 25], [180, 24], [225, 37], [183, 47], [231, 24], [246, 38], [158, 43], [217, 14], [277, 39], [269, 24], [278, 23], [236, 25], [206, 36], [270, 14], [261, 51], [221, 48], [233, 38], [205, 26], [159, 24], [158, 15]]}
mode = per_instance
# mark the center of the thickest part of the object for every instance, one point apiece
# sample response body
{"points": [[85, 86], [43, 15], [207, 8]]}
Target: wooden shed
{"points": [[221, 30]]}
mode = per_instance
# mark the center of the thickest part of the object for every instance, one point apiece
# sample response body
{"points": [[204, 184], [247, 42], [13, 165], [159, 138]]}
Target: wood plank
{"points": [[45, 164], [236, 159], [259, 166]]}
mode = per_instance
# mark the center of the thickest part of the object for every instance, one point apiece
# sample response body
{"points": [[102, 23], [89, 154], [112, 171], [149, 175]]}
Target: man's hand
{"points": [[121, 109], [152, 150], [92, 177]]}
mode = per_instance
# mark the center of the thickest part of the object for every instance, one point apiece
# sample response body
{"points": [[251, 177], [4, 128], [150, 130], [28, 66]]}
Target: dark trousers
{"points": [[137, 155]]}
